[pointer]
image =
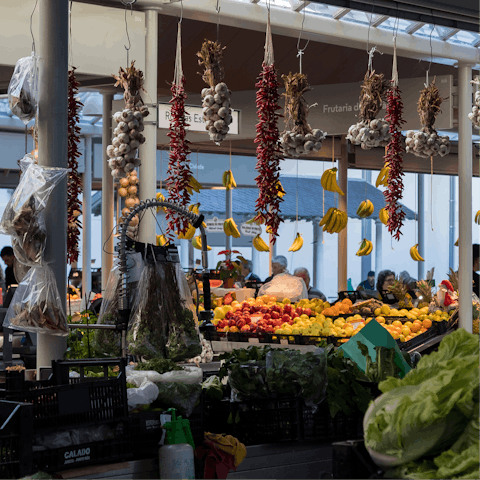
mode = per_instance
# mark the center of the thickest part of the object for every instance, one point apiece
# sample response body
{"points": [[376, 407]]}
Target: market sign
{"points": [[194, 116], [215, 225], [250, 230]]}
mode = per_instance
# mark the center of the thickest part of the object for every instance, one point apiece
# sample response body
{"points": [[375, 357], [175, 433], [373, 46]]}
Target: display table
{"points": [[228, 346], [242, 294]]}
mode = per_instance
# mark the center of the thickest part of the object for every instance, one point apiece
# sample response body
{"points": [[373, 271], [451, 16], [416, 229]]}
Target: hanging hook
{"points": [[31, 29], [126, 28], [181, 11], [370, 26], [371, 53]]}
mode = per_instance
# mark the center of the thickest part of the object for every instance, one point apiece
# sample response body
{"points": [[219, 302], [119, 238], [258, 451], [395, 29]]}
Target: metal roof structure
{"points": [[310, 199]]}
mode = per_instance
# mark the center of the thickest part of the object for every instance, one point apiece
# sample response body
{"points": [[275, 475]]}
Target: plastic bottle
{"points": [[176, 456]]}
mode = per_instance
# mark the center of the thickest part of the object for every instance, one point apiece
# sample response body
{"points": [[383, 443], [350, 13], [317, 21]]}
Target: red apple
{"points": [[264, 309], [275, 315], [231, 323], [287, 308], [299, 311], [307, 311], [240, 323], [267, 316], [286, 318], [245, 328], [248, 320]]}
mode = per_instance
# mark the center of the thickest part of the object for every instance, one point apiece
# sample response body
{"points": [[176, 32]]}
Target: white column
{"points": [[342, 236], [378, 247], [148, 151], [257, 266], [317, 255], [451, 226], [107, 192], [465, 195], [87, 220], [421, 226], [53, 151], [184, 253], [366, 232]]}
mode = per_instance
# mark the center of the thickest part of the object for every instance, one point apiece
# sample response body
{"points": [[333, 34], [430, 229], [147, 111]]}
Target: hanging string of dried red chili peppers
{"points": [[394, 157], [74, 186], [269, 151], [179, 172]]}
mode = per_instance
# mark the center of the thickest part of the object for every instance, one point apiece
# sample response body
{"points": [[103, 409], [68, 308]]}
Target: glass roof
{"points": [[363, 18]]}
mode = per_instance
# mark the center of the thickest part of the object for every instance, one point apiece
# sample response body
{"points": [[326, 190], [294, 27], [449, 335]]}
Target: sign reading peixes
{"points": [[194, 115]]}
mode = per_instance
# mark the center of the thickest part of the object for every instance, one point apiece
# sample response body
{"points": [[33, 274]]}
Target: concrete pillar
{"points": [[421, 225], [465, 195], [378, 247], [366, 232], [184, 253], [53, 150], [148, 151], [87, 220], [342, 205], [317, 255], [107, 192], [451, 229], [257, 266], [228, 214]]}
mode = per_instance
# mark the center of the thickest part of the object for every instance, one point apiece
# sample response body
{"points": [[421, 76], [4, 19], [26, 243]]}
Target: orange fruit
{"points": [[408, 324], [406, 331], [416, 327], [408, 338], [397, 323], [402, 338], [427, 323], [347, 301]]}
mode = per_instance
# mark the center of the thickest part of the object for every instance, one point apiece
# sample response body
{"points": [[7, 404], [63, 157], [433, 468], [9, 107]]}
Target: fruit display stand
{"points": [[241, 294]]}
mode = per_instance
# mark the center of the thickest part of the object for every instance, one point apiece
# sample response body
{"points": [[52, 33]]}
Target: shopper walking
{"points": [[476, 268], [279, 265], [9, 258], [302, 273], [369, 283]]}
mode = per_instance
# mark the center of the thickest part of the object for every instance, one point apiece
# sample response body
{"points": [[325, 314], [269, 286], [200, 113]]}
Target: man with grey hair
{"points": [[302, 273], [279, 265], [247, 273]]}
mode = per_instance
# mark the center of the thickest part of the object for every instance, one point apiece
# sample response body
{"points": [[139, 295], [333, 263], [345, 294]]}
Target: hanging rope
{"points": [[394, 67], [301, 51], [217, 8], [416, 205], [31, 28], [178, 74], [269, 58], [431, 192]]}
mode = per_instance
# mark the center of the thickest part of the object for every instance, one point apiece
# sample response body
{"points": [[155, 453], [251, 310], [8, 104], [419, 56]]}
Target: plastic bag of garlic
{"points": [[474, 116], [370, 134], [425, 145], [216, 111], [127, 138], [295, 144]]}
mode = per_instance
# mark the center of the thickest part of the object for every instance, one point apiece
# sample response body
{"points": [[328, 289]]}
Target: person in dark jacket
{"points": [[9, 258], [248, 275], [369, 283], [302, 273]]}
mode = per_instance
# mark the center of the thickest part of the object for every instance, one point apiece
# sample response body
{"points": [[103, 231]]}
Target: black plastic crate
{"points": [[61, 369], [351, 460], [77, 456], [216, 416], [145, 433], [64, 406], [265, 421], [320, 425], [16, 432]]}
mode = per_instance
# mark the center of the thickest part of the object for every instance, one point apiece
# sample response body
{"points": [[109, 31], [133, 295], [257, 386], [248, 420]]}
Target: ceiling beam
{"points": [[340, 13], [381, 19], [414, 27], [299, 5], [451, 32]]}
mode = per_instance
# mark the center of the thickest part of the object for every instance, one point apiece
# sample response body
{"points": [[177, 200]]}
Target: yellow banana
{"points": [[477, 218], [161, 240], [329, 181], [456, 243], [370, 248], [365, 209], [256, 221], [230, 228], [415, 255], [161, 198], [362, 248], [194, 184], [326, 217], [190, 233], [260, 245], [297, 244], [324, 179], [365, 248], [361, 208], [382, 178], [384, 216], [197, 243], [228, 180], [280, 190]]}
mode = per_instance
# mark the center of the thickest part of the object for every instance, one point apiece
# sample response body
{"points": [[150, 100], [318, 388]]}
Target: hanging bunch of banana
{"points": [[256, 221], [160, 197], [477, 218], [382, 178], [280, 190], [329, 181], [228, 180], [365, 209], [365, 248], [197, 243], [230, 228], [383, 215], [415, 255], [193, 185], [189, 234], [195, 208], [456, 243], [259, 244], [334, 220], [297, 244], [161, 240]]}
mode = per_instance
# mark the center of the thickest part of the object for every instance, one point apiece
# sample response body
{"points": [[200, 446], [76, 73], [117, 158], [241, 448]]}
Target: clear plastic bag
{"points": [[283, 286], [23, 89], [248, 380], [163, 322], [145, 394], [24, 216], [36, 305], [181, 396]]}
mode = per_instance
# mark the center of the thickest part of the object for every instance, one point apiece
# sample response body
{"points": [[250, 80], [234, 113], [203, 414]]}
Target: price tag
{"points": [[283, 341], [253, 340]]}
